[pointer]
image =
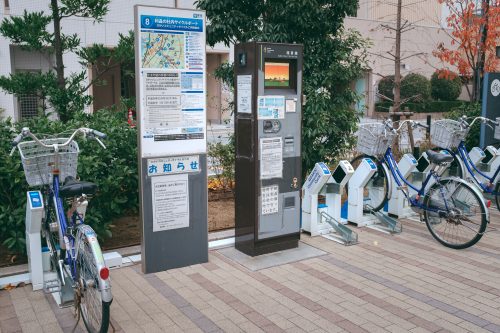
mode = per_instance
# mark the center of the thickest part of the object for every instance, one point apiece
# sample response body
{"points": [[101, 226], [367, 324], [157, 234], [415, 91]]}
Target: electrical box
{"points": [[268, 98]]}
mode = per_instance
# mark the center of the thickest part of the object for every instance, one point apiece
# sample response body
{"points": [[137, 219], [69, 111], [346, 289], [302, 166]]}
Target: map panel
{"points": [[162, 50]]}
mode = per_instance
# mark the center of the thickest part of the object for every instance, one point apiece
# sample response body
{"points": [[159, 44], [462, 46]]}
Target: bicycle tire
{"points": [[497, 196], [456, 187], [455, 169], [89, 256], [379, 175]]}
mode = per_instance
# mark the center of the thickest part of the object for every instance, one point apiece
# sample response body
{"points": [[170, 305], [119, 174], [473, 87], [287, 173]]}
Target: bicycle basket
{"points": [[374, 139], [38, 161], [447, 133], [497, 130]]}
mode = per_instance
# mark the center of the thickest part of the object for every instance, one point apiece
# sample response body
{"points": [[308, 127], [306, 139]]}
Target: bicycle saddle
{"points": [[438, 158], [73, 188]]}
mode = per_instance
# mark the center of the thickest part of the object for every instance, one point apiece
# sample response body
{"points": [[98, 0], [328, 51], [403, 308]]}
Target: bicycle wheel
{"points": [[455, 167], [376, 190], [95, 311], [461, 217], [497, 195]]}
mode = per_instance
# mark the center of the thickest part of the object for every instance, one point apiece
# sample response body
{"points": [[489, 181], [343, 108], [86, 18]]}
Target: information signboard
{"points": [[171, 113], [172, 81]]}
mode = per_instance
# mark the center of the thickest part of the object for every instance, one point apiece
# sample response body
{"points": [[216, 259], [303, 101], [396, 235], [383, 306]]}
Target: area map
{"points": [[162, 50]]}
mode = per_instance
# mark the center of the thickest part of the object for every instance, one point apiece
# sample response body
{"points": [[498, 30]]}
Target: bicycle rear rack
{"points": [[385, 222], [343, 234]]}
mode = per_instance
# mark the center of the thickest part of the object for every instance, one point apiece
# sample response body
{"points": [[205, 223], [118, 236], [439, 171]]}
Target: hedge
{"points": [[417, 87], [114, 170], [424, 107], [445, 89]]}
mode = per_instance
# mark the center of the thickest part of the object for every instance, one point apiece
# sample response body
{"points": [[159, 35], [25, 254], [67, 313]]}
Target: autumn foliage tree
{"points": [[475, 30]]}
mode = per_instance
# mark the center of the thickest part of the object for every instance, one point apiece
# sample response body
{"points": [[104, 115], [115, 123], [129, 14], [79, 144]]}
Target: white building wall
{"points": [[120, 19]]}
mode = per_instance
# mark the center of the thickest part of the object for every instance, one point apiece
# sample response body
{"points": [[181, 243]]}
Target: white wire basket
{"points": [[497, 130], [374, 139], [38, 161], [447, 133]]}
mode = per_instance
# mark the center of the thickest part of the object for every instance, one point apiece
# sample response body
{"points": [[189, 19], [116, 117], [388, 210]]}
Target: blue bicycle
{"points": [[449, 135], [75, 253], [453, 210]]}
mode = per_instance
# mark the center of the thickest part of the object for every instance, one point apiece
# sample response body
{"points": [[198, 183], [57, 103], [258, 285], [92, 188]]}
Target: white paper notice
{"points": [[271, 158], [170, 202], [291, 105], [269, 199], [244, 92]]}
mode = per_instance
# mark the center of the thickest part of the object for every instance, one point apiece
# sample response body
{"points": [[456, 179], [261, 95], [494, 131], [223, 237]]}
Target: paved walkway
{"points": [[401, 283]]}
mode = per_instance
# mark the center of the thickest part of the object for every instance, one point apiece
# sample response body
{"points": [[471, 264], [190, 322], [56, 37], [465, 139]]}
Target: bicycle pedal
{"points": [[52, 286]]}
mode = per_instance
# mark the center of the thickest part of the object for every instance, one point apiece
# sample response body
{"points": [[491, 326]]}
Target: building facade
{"points": [[114, 85], [426, 29]]}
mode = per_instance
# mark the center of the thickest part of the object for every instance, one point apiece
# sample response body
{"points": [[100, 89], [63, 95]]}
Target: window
{"points": [[29, 106], [6, 4], [498, 51]]}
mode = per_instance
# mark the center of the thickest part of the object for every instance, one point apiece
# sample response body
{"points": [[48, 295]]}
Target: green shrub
{"points": [[415, 86], [424, 107], [469, 110], [386, 86], [445, 89], [222, 159], [114, 170]]}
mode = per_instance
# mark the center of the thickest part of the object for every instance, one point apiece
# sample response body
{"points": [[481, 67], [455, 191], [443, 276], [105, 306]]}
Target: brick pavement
{"points": [[400, 283]]}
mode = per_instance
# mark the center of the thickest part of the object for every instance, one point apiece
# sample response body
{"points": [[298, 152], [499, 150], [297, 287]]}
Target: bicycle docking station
{"points": [[399, 206], [325, 218], [40, 275], [358, 202], [490, 162]]}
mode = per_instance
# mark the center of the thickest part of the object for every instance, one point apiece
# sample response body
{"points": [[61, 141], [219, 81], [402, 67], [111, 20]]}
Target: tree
{"points": [[474, 35], [333, 59], [65, 93], [445, 86], [416, 87]]}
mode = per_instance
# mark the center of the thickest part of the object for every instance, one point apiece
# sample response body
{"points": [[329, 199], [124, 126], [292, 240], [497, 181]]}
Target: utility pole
{"points": [[485, 7], [397, 65]]}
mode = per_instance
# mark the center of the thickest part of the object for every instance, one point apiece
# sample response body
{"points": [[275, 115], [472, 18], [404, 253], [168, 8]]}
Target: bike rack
{"points": [[385, 222], [343, 234]]}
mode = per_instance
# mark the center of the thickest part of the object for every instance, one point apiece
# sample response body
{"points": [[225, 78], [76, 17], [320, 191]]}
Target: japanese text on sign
{"points": [[172, 165]]}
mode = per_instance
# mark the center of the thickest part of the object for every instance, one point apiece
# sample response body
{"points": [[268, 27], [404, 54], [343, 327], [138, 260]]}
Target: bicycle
{"points": [[449, 135], [453, 210], [80, 261]]}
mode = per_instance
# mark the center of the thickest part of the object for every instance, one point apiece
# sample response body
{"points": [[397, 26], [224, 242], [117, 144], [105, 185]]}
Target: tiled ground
{"points": [[399, 283]]}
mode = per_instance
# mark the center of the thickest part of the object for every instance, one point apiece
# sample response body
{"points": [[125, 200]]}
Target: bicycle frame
{"points": [[68, 239], [471, 168], [400, 179]]}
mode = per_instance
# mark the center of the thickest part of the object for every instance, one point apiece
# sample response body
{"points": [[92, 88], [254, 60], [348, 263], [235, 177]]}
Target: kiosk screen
{"points": [[277, 74]]}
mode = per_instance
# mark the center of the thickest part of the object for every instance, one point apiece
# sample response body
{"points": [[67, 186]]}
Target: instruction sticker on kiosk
{"points": [[271, 107]]}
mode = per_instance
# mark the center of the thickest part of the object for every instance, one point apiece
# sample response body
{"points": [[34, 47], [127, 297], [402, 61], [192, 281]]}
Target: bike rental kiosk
{"points": [[268, 80]]}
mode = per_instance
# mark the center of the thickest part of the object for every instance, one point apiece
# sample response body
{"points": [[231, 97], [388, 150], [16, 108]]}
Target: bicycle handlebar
{"points": [[17, 139], [85, 131], [98, 134], [464, 123]]}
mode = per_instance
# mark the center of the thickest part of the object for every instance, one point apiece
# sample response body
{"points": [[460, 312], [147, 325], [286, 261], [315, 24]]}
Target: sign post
{"points": [[171, 115], [490, 106]]}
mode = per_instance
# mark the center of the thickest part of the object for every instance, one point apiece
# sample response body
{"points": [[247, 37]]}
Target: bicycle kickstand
{"points": [[77, 305]]}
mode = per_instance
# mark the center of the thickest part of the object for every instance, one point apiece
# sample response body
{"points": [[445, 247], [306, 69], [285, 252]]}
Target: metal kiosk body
{"points": [[268, 80]]}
